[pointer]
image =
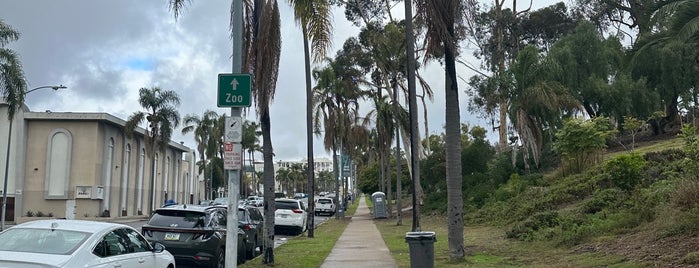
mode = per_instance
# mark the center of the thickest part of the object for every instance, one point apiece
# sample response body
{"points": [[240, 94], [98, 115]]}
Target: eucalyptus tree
{"points": [[587, 58], [261, 52], [442, 36], [13, 88], [162, 118], [620, 14], [314, 17], [202, 128]]}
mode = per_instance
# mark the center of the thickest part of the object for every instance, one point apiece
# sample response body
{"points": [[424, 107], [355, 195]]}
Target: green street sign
{"points": [[234, 90]]}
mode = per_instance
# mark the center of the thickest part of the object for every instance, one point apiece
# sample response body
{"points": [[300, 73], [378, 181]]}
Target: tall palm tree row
{"points": [[261, 47], [162, 118], [336, 108], [314, 17], [203, 130]]}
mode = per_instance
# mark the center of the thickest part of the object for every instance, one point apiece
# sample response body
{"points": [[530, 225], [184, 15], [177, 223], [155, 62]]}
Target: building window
{"points": [[166, 177], [139, 178], [125, 171], [58, 164]]}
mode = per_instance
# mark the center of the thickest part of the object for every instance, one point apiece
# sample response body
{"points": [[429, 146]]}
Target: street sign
{"points": [[232, 156], [234, 129], [234, 90]]}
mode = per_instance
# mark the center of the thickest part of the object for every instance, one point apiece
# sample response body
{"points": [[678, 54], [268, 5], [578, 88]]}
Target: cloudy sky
{"points": [[105, 51]]}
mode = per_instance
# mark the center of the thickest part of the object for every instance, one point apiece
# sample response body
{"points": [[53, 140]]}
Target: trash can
{"points": [[421, 246], [379, 201]]}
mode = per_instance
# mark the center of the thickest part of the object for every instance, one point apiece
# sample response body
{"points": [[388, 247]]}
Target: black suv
{"points": [[195, 235], [251, 221]]}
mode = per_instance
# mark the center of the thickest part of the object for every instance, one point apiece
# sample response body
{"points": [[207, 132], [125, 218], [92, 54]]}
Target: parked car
{"points": [[290, 214], [324, 205], [251, 221], [195, 235], [256, 201], [300, 196], [78, 243]]}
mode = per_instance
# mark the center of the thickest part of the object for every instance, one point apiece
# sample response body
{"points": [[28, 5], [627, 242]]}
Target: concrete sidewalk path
{"points": [[360, 245]]}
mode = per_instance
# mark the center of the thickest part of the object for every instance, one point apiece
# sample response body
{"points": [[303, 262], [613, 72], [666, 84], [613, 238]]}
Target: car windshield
{"points": [[221, 201], [45, 241], [241, 215], [178, 218], [287, 205]]}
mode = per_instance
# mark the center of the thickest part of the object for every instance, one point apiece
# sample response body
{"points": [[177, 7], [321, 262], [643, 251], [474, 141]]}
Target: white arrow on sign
{"points": [[234, 84]]}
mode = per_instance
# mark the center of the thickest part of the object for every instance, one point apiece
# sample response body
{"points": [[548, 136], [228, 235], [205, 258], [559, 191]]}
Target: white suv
{"points": [[290, 214]]}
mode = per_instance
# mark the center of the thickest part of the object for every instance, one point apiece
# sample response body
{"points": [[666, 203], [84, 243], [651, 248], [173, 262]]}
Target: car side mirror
{"points": [[157, 248]]}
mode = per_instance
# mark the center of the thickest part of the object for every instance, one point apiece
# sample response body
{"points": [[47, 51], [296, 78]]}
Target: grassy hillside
{"points": [[642, 206]]}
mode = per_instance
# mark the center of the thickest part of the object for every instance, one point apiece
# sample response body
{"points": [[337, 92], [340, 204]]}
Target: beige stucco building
{"points": [[83, 165]]}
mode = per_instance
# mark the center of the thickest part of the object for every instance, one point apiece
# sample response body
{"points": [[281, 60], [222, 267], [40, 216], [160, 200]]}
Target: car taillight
{"points": [[297, 211], [247, 227]]}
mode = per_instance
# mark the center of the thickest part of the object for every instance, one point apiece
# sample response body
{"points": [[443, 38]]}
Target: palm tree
{"points": [[335, 107], [251, 142], [162, 117], [314, 17], [536, 101], [202, 127], [441, 38], [13, 88], [261, 47]]}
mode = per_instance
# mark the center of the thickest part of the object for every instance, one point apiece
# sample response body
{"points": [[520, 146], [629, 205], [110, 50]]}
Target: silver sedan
{"points": [[77, 243]]}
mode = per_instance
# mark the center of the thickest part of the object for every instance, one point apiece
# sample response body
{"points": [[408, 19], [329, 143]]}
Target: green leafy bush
{"points": [[686, 195], [625, 170], [526, 231], [609, 199]]}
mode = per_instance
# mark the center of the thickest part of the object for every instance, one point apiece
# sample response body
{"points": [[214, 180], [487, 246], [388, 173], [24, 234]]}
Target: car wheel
{"points": [[251, 250], [241, 257], [221, 260]]}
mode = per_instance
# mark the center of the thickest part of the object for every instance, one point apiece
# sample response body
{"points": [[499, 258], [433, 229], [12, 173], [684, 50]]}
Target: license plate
{"points": [[172, 236]]}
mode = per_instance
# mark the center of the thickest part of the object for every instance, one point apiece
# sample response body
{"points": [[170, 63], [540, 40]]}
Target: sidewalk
{"points": [[360, 245]]}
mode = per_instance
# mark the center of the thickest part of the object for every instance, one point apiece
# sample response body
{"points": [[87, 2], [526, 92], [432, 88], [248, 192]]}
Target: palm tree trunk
{"points": [[309, 133], [152, 176], [389, 195], [7, 169], [399, 205], [269, 206], [453, 161], [336, 175]]}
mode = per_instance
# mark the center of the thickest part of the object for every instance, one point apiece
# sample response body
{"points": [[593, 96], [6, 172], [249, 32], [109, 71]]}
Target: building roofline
{"points": [[102, 117]]}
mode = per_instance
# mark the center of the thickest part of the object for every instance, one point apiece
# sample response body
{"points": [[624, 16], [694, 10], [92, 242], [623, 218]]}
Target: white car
{"points": [[290, 214], [77, 243]]}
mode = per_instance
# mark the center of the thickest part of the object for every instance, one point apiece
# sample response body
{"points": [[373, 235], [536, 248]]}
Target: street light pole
{"points": [[7, 157]]}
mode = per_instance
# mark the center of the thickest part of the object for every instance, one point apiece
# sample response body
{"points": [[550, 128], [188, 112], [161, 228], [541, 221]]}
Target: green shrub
{"points": [[686, 195], [604, 199], [691, 258], [512, 188], [665, 156], [40, 214], [29, 213], [540, 221], [625, 170]]}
